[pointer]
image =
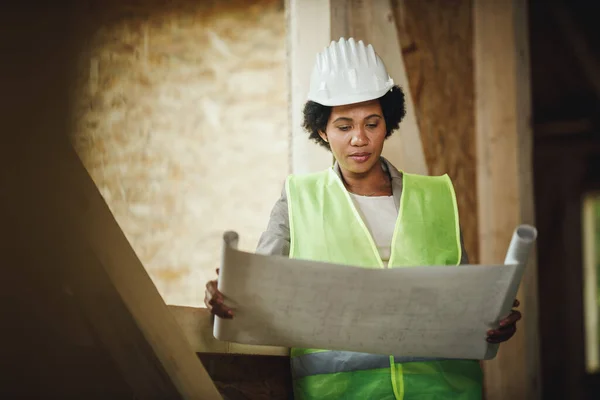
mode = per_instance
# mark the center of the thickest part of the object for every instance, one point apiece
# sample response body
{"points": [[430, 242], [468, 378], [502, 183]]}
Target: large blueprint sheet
{"points": [[421, 311]]}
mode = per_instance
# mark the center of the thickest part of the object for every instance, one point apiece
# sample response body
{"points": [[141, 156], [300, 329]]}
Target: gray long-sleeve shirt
{"points": [[275, 240]]}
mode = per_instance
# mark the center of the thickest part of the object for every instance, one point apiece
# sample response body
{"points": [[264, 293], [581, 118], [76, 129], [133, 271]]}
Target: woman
{"points": [[364, 212]]}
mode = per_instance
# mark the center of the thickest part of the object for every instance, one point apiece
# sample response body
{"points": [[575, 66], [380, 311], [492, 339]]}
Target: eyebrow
{"points": [[350, 119]]}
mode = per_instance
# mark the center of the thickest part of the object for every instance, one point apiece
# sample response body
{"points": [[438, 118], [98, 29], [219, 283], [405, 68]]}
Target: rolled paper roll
{"points": [[231, 239], [520, 245]]}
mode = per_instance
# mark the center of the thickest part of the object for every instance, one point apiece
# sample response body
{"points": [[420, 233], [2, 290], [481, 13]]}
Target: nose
{"points": [[359, 137]]}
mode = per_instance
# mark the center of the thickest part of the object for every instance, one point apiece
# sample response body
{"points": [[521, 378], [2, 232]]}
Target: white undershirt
{"points": [[379, 215]]}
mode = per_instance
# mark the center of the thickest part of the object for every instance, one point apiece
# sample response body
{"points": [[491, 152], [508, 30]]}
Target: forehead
{"points": [[357, 110]]}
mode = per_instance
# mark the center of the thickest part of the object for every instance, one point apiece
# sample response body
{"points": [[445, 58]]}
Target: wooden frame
{"points": [[504, 178], [69, 265], [196, 324], [78, 238]]}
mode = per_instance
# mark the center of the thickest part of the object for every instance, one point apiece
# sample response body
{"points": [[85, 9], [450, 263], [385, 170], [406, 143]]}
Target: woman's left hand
{"points": [[507, 328]]}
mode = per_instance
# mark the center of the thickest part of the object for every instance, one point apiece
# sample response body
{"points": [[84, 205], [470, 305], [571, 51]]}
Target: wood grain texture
{"points": [[68, 264], [437, 45], [308, 33], [250, 377], [197, 326], [504, 178], [565, 172], [180, 116]]}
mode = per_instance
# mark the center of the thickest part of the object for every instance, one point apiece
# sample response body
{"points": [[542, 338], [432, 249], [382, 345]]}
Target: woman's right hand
{"points": [[213, 299]]}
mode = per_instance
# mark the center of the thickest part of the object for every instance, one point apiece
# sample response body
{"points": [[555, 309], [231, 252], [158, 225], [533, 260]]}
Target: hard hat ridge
{"points": [[348, 72]]}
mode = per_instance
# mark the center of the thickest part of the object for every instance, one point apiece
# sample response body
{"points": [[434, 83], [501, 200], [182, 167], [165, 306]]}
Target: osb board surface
{"points": [[181, 120], [437, 41]]}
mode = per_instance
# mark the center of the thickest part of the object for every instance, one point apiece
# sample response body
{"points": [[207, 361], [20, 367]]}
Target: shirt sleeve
{"points": [[275, 240]]}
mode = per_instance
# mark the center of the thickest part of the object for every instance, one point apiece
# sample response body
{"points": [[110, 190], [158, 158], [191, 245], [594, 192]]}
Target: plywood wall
{"points": [[181, 120], [437, 43]]}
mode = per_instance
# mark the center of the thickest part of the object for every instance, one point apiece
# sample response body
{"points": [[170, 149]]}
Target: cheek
{"points": [[336, 143], [379, 136]]}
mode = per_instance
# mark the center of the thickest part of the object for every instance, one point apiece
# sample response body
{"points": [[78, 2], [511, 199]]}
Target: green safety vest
{"points": [[326, 226]]}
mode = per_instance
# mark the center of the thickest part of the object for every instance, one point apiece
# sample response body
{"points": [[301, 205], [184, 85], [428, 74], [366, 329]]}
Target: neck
{"points": [[374, 182]]}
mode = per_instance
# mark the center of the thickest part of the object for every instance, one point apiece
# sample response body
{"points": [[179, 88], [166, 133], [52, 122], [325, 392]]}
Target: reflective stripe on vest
{"points": [[326, 226], [331, 362]]}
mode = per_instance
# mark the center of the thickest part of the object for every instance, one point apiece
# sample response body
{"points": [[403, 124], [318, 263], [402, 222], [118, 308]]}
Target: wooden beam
{"points": [[95, 265], [196, 324], [374, 22], [240, 377], [567, 127], [577, 41], [437, 42], [61, 244], [504, 178], [590, 284], [308, 33]]}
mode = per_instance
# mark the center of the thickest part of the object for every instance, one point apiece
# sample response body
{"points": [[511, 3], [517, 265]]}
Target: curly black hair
{"points": [[393, 107]]}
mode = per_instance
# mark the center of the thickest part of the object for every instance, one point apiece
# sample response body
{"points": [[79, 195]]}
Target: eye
{"points": [[344, 128], [373, 125]]}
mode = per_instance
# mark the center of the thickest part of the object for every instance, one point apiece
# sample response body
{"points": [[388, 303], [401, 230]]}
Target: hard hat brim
{"points": [[349, 98]]}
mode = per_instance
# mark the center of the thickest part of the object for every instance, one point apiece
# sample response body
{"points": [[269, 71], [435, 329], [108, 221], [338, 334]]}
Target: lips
{"points": [[360, 157]]}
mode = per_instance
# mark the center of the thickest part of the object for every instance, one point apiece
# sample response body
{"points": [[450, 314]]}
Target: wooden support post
{"points": [[437, 47], [308, 34], [504, 178], [590, 285]]}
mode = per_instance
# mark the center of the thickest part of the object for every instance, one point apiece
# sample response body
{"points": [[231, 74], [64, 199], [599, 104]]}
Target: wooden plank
{"points": [[79, 237], [62, 237], [374, 23], [590, 284], [566, 127], [504, 177], [437, 47], [308, 34], [196, 324], [250, 377]]}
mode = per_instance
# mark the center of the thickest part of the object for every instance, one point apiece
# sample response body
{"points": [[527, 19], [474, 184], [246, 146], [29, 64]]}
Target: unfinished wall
{"points": [[437, 43], [181, 120]]}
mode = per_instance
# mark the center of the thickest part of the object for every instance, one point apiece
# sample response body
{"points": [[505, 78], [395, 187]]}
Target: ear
{"points": [[323, 136]]}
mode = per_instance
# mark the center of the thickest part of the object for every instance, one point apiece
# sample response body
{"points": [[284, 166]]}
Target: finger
{"points": [[207, 298], [212, 288], [511, 319], [212, 296], [501, 335], [222, 311], [516, 303], [510, 329], [499, 339], [216, 307], [214, 301]]}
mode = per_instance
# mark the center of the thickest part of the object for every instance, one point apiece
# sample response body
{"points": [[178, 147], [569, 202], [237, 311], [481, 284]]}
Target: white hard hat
{"points": [[348, 72]]}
